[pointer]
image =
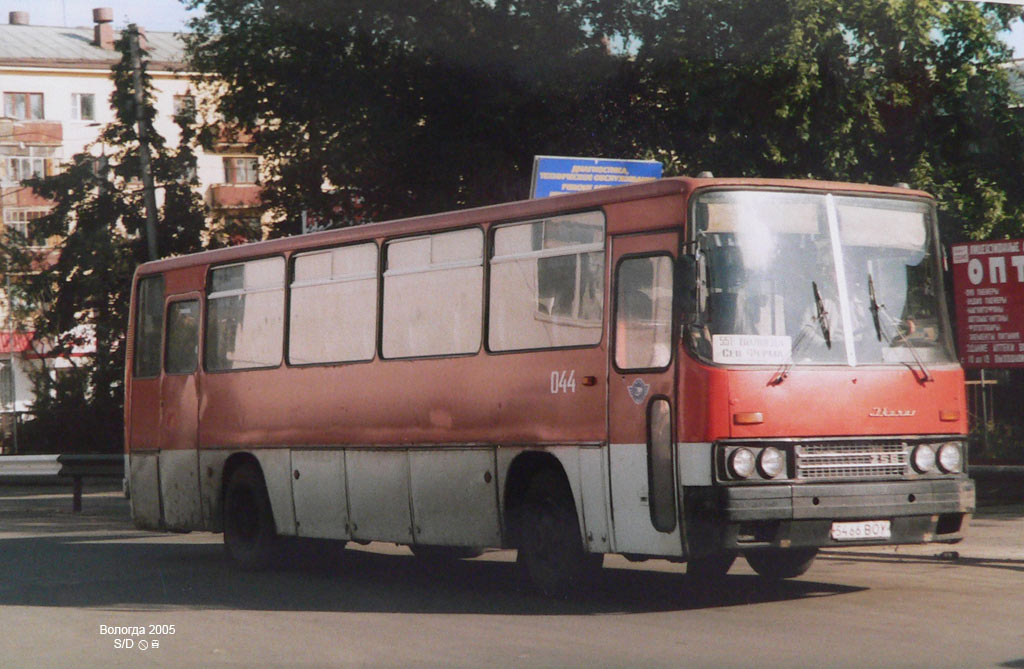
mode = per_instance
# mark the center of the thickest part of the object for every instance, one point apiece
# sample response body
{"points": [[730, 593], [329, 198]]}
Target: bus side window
{"points": [[433, 290], [333, 312], [547, 283], [245, 315], [643, 313], [182, 337], [149, 326]]}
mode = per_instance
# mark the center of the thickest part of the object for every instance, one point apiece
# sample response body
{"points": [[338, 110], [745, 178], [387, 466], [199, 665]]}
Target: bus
{"points": [[690, 368]]}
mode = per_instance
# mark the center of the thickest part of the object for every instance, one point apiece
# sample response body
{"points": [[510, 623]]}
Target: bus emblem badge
{"points": [[638, 391]]}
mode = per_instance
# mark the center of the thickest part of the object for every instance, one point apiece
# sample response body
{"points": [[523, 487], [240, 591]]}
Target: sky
{"points": [[155, 15]]}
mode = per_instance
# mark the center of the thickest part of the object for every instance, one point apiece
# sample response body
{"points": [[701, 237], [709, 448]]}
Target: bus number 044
{"points": [[563, 381]]}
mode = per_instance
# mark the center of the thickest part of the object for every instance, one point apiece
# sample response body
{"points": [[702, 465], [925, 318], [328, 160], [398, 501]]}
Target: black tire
{"points": [[777, 563], [551, 554], [250, 536], [710, 568], [445, 553]]}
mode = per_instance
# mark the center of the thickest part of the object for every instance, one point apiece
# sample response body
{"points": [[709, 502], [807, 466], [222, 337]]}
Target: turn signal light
{"points": [[949, 416], [748, 418]]}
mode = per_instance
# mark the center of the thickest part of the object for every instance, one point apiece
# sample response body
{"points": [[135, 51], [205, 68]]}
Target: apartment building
{"points": [[55, 84]]}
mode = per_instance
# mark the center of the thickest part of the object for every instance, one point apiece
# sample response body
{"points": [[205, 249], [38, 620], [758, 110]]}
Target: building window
{"points": [[7, 398], [83, 106], [241, 170], [19, 168], [184, 103], [17, 219], [23, 106]]}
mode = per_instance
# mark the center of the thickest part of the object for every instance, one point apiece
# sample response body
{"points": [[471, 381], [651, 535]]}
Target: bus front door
{"points": [[642, 396], [179, 416]]}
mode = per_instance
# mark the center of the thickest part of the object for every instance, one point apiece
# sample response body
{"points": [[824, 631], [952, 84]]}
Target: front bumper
{"points": [[730, 518]]}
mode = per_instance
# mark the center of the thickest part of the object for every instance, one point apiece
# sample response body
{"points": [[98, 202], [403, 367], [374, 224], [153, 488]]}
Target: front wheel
{"points": [[551, 550], [250, 536], [779, 563]]}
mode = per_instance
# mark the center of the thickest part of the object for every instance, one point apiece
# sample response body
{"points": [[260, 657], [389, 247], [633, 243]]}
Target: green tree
{"points": [[79, 293], [408, 107], [856, 90]]}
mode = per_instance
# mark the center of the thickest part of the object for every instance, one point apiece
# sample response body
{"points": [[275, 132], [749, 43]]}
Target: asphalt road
{"points": [[87, 590]]}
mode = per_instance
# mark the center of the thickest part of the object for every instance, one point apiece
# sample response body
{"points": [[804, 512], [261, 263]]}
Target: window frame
{"points": [[137, 332], [167, 334], [205, 325], [382, 270], [231, 169], [378, 302], [613, 315], [181, 102], [605, 313], [27, 96], [76, 106], [8, 223], [11, 161]]}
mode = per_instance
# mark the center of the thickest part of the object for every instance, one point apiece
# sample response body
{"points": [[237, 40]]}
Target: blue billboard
{"points": [[560, 175]]}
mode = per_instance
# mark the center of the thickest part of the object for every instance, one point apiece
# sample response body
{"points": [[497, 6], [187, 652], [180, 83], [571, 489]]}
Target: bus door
{"points": [[179, 414], [642, 395]]}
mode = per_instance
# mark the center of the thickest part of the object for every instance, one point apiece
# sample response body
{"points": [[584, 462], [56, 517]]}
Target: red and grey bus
{"points": [[691, 369]]}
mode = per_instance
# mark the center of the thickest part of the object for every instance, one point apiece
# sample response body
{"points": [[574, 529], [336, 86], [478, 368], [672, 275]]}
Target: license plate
{"points": [[863, 530]]}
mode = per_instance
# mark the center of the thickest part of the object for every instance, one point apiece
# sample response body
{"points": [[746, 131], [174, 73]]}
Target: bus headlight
{"points": [[770, 462], [950, 458], [741, 463], [923, 459]]}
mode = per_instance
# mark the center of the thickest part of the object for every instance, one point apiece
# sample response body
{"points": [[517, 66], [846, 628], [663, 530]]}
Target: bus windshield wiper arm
{"points": [[874, 307], [877, 309], [821, 316]]}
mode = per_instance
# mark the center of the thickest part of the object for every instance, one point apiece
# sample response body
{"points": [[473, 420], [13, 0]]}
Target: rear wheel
{"points": [[551, 552], [250, 536], [777, 563]]}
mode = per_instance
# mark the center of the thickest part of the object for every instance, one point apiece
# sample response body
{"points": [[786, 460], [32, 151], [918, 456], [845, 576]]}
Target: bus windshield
{"points": [[795, 278]]}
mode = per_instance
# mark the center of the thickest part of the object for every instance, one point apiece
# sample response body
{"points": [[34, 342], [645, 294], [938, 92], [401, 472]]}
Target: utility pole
{"points": [[14, 371], [148, 190]]}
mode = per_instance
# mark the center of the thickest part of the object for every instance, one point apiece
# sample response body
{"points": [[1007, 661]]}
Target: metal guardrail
{"points": [[58, 468], [20, 468]]}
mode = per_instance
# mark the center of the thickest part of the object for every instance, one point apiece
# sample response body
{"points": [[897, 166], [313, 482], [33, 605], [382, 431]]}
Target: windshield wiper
{"points": [[877, 309], [821, 316], [874, 307]]}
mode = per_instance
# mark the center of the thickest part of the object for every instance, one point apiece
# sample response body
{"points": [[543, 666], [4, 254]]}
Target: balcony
{"points": [[233, 196]]}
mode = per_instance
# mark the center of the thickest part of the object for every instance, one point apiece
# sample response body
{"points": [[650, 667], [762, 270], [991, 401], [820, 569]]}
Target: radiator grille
{"points": [[852, 461]]}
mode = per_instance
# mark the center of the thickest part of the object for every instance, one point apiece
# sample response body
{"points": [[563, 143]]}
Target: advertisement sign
{"points": [[560, 175], [988, 281]]}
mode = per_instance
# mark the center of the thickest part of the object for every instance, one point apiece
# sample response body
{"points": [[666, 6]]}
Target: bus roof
{"points": [[510, 211]]}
